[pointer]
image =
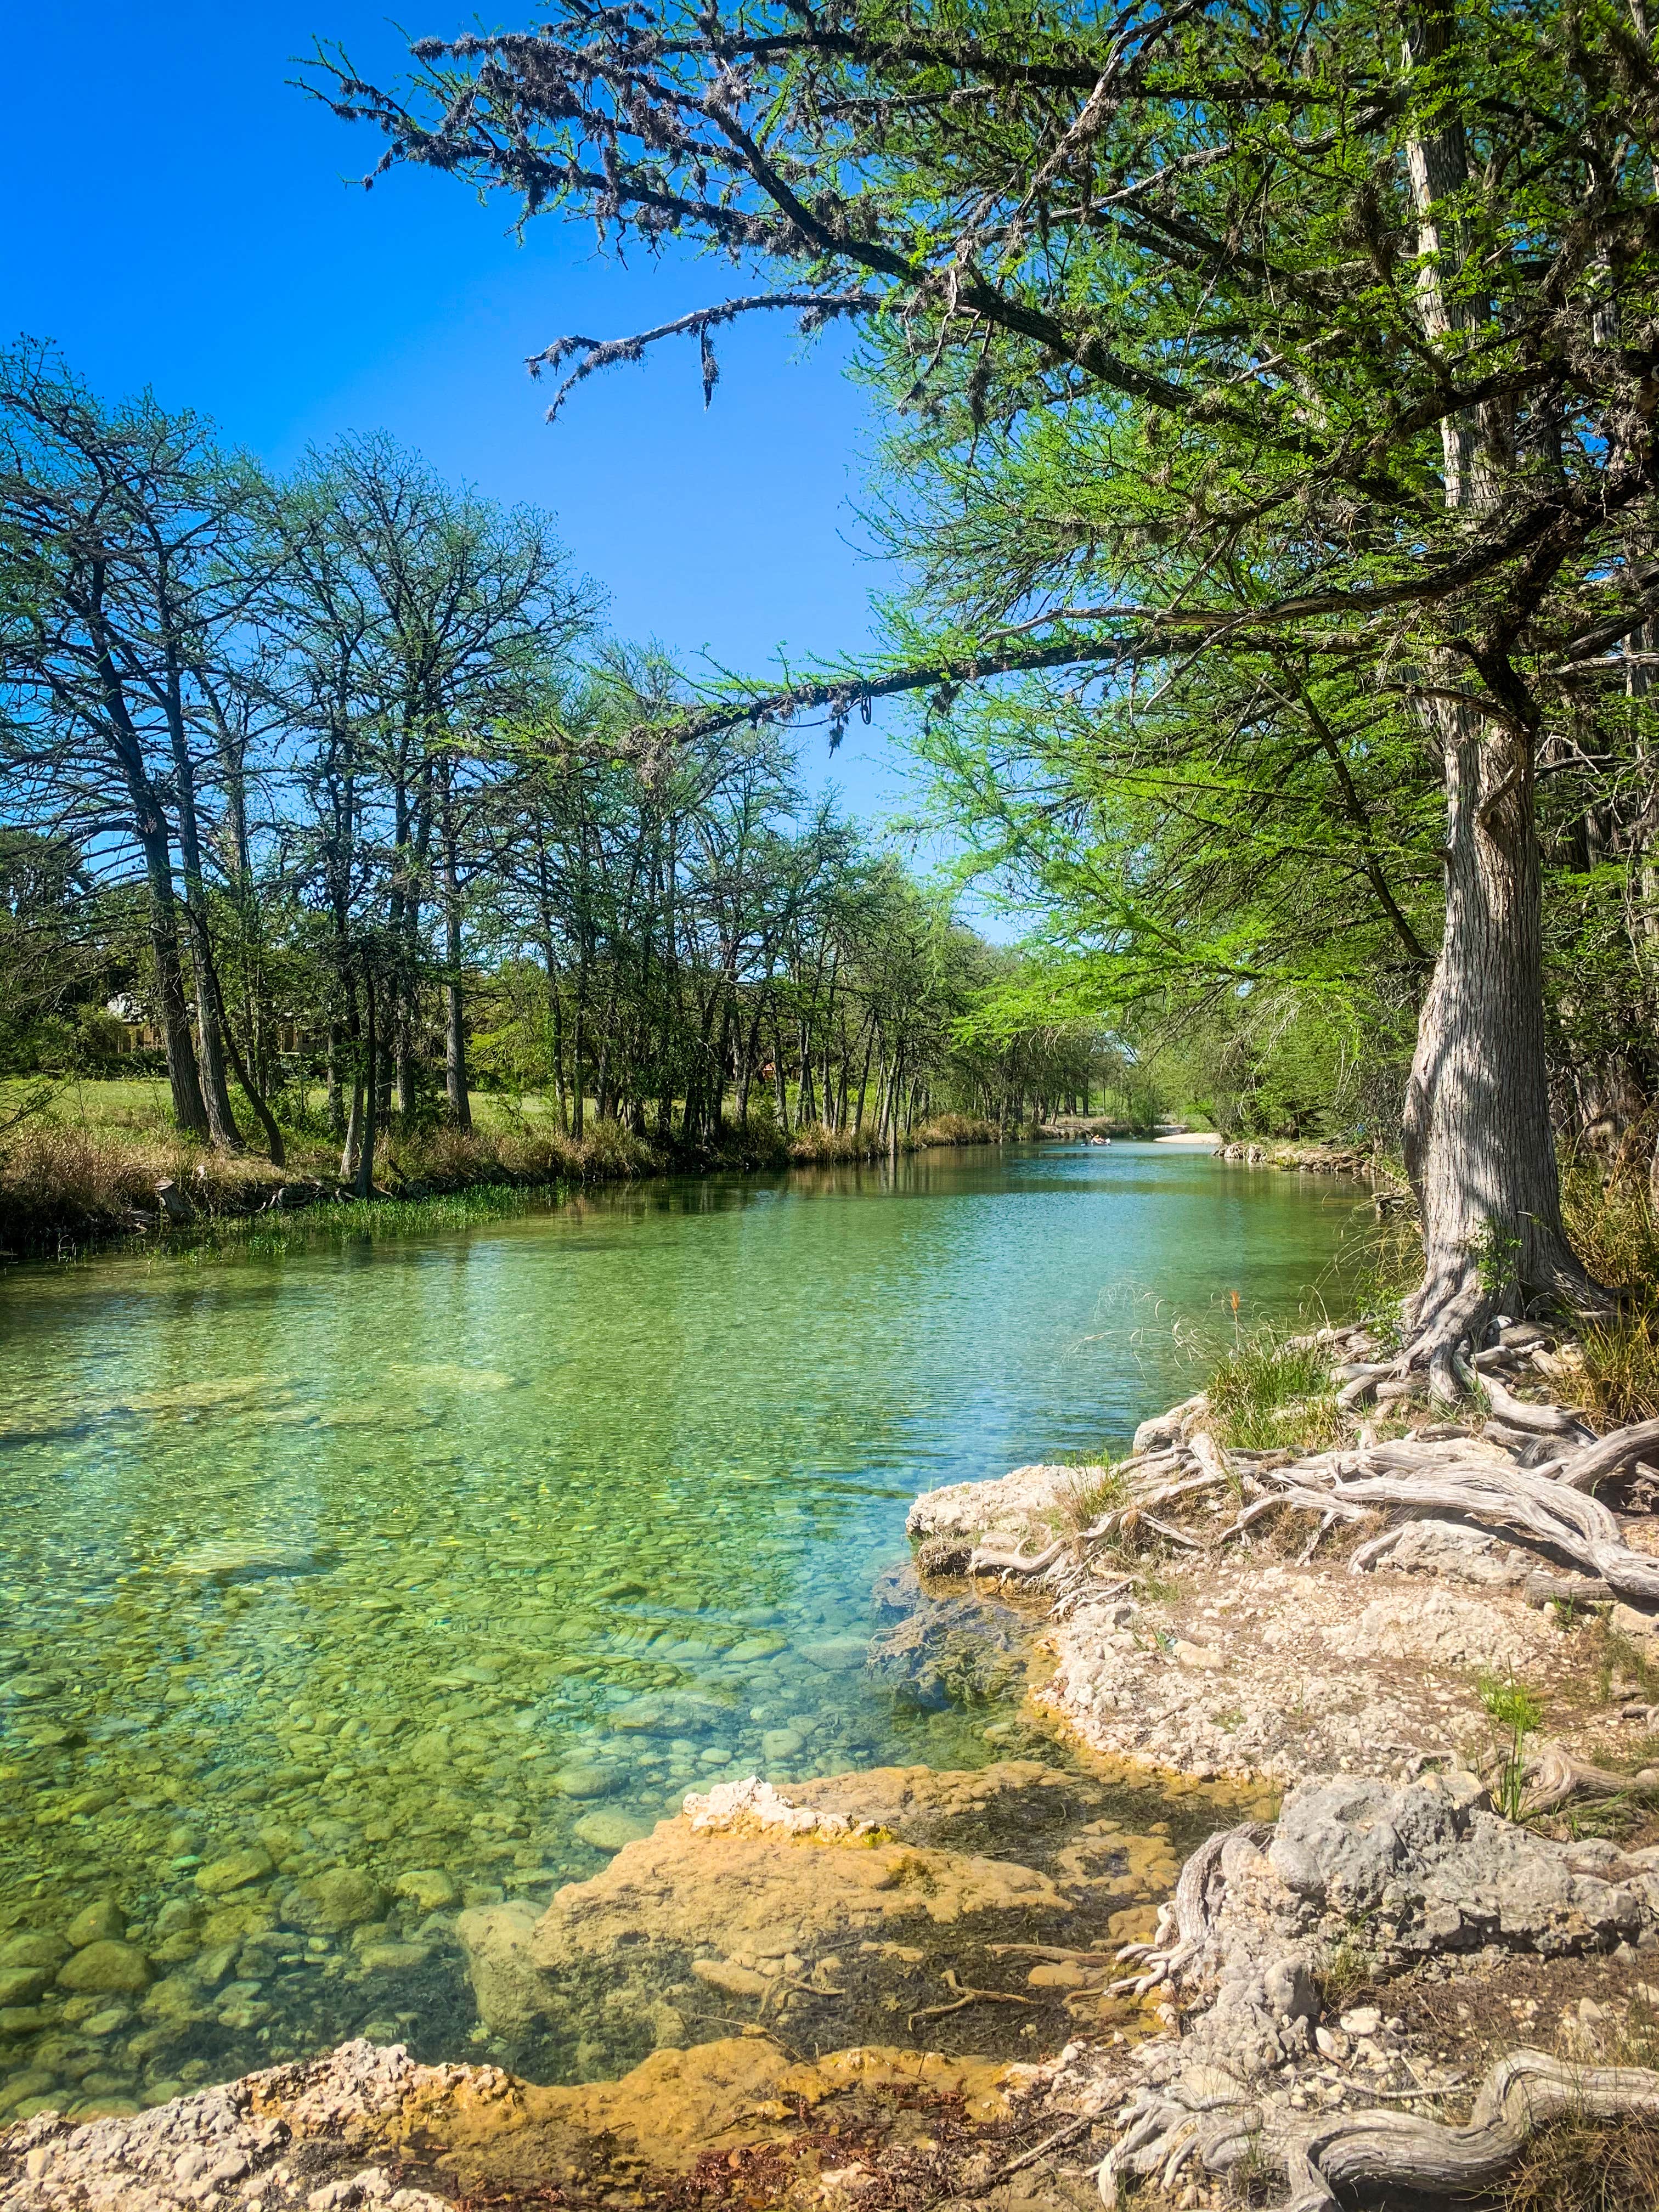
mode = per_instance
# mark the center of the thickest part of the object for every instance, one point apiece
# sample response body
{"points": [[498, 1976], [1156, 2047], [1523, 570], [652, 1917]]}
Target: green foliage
{"points": [[1264, 1396], [1518, 1711], [1497, 1254], [1219, 457]]}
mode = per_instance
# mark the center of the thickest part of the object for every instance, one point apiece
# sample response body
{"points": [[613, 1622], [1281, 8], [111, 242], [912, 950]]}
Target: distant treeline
{"points": [[330, 798]]}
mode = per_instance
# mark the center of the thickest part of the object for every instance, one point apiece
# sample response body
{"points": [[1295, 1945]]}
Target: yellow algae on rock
{"points": [[745, 1900], [487, 2130]]}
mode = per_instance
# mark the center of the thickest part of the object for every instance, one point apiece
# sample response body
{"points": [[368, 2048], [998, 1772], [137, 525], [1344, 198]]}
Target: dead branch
{"points": [[1555, 1775]]}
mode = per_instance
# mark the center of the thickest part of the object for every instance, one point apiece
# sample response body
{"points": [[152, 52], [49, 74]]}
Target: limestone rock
{"points": [[235, 1870], [749, 1875], [101, 1920], [1003, 1508], [433, 1889], [1440, 1627], [1455, 1550], [732, 1981], [583, 1781], [34, 1946], [609, 1832], [104, 1969], [512, 1993], [1423, 1868], [341, 1897], [837, 1654]]}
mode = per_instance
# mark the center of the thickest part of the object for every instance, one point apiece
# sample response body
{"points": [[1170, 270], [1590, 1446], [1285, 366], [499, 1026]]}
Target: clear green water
{"points": [[378, 1553]]}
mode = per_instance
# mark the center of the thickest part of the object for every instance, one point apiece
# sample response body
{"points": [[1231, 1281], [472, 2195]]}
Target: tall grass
{"points": [[814, 1146], [1266, 1396], [68, 1178], [1610, 1222], [62, 1183]]}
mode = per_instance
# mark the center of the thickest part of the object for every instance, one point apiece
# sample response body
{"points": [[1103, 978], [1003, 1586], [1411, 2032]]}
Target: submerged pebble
{"points": [[342, 1593]]}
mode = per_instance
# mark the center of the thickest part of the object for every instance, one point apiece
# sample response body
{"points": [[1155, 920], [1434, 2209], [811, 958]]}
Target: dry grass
{"points": [[80, 1162], [1079, 1502], [1610, 1224], [61, 1181], [1583, 2165], [65, 1183], [817, 1147]]}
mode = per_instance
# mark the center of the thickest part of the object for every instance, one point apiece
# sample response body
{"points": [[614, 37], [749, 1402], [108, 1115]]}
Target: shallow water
{"points": [[470, 1554]]}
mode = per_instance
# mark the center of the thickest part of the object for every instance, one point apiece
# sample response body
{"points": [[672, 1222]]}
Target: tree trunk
{"points": [[336, 1109], [210, 1010], [189, 1109], [578, 1047], [364, 1183], [461, 1103], [245, 1076], [1478, 1146]]}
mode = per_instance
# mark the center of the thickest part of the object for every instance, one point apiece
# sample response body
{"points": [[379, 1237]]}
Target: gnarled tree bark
{"points": [[1478, 1146]]}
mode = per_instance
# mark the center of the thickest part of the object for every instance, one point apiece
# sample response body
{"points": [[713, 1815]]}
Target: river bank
{"points": [[69, 1185], [1414, 1941]]}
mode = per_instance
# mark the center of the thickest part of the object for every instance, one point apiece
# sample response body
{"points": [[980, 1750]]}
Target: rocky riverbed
{"points": [[1020, 1985]]}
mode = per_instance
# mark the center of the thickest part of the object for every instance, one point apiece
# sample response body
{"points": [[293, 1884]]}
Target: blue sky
{"points": [[178, 215]]}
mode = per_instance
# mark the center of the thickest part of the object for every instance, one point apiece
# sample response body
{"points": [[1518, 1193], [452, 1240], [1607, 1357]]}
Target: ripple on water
{"points": [[342, 1592]]}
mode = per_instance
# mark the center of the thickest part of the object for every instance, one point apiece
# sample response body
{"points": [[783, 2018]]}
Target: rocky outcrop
{"points": [[366, 2126], [1006, 1508], [846, 1908], [1261, 1912], [297, 2136]]}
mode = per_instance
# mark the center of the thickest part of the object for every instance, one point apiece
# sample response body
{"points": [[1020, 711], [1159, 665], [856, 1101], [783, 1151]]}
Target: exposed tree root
{"points": [[1222, 2128], [1554, 1776], [1600, 1463], [1548, 1507], [1538, 1420], [1184, 1920]]}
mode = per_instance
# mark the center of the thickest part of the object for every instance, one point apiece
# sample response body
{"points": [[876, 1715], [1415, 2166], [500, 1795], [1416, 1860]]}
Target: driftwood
{"points": [[1542, 1588], [1554, 1775]]}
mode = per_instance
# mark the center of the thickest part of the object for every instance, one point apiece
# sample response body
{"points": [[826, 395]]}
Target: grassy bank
{"points": [[1269, 1392], [98, 1161]]}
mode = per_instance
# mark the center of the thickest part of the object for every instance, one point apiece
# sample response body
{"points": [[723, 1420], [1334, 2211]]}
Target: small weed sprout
{"points": [[1517, 1709], [1617, 1654], [1347, 1968], [1497, 1254]]}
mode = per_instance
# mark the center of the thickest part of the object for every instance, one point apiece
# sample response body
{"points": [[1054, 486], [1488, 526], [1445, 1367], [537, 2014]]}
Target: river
{"points": [[452, 1562]]}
